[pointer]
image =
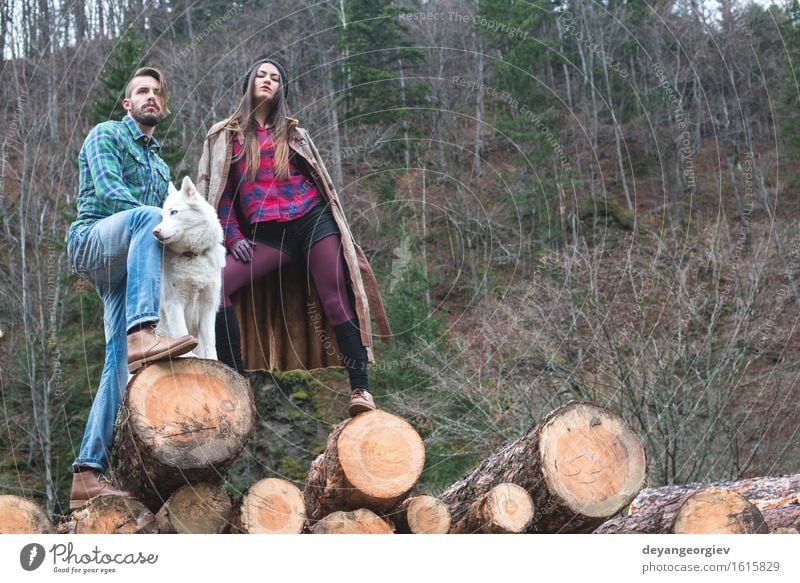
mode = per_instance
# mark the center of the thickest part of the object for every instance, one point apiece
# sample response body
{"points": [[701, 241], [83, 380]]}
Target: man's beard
{"points": [[149, 119]]}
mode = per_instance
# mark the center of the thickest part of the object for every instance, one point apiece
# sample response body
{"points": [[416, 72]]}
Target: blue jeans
{"points": [[122, 259]]}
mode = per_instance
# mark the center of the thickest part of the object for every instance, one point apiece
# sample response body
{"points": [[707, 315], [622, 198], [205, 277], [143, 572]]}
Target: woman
{"points": [[279, 210]]}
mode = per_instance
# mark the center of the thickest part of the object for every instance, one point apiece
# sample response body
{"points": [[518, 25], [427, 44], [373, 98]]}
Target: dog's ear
{"points": [[171, 188], [187, 186]]}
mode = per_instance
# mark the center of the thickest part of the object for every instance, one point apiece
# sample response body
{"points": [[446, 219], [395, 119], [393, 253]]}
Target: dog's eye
{"points": [[173, 212]]}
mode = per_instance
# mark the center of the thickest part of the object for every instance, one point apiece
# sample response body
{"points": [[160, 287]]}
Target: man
{"points": [[123, 183]]}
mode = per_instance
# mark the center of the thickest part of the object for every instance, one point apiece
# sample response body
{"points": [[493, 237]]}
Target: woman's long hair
{"points": [[243, 122]]}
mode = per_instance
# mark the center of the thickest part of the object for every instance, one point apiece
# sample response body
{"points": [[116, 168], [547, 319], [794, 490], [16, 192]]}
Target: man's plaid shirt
{"points": [[120, 169]]}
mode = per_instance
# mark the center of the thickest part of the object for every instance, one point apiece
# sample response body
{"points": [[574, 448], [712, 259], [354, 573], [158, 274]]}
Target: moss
{"points": [[290, 469], [609, 209], [292, 377], [300, 396]]}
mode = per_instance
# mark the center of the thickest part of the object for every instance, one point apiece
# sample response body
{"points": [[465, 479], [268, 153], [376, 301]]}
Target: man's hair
{"points": [[155, 74]]}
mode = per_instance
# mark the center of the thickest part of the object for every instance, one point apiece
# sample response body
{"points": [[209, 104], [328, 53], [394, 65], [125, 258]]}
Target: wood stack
{"points": [[186, 422]]}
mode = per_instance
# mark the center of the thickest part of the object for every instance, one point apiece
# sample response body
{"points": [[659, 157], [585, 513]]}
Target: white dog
{"points": [[192, 271]]}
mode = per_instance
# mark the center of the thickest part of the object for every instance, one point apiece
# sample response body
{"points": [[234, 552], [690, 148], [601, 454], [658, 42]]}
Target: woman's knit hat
{"points": [[281, 71]]}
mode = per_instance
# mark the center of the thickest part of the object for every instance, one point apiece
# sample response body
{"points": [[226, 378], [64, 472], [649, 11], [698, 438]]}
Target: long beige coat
{"points": [[281, 316]]}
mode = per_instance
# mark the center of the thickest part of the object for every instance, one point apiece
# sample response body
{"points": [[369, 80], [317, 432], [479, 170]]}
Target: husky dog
{"points": [[192, 269]]}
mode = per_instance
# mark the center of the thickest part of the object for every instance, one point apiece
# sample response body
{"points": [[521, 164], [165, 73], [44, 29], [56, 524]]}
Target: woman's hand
{"points": [[242, 250]]}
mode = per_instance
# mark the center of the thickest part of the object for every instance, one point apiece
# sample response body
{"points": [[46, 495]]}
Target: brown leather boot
{"points": [[360, 402], [89, 484], [145, 345]]}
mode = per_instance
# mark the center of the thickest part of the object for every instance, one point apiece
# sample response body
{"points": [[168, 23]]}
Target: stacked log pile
{"points": [[184, 424]]}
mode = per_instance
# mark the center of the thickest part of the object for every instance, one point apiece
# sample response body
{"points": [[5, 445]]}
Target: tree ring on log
{"points": [[188, 415], [381, 455], [273, 505], [719, 512], [578, 448]]}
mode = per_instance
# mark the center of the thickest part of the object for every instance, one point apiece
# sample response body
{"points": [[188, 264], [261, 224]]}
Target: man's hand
{"points": [[242, 250]]}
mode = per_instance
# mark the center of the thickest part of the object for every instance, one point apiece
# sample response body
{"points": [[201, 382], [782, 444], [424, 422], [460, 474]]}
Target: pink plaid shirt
{"points": [[267, 198]]}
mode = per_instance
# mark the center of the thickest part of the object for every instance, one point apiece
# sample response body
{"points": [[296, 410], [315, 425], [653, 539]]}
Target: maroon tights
{"points": [[324, 260]]}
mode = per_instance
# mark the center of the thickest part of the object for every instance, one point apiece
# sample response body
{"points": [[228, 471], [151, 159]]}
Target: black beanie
{"points": [[281, 71]]}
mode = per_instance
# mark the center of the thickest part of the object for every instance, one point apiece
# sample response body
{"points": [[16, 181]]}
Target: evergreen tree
{"points": [[378, 62], [789, 108], [125, 58]]}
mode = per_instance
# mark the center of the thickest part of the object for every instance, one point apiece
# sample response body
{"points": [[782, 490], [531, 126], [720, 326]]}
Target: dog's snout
{"points": [[157, 233]]}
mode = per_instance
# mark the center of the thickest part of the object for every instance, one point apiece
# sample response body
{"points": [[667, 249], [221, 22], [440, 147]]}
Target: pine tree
{"points": [[125, 58], [377, 44]]}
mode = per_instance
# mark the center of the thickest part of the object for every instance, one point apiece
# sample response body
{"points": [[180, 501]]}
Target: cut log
{"points": [[718, 512], [21, 516], [195, 509], [271, 506], [361, 521], [110, 515], [421, 515], [580, 464], [505, 509], [704, 511], [761, 491], [778, 499], [183, 422], [371, 461]]}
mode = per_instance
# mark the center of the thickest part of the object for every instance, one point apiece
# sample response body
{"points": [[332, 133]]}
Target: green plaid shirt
{"points": [[120, 169]]}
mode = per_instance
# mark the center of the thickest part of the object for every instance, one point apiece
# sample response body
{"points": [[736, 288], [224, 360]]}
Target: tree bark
{"points": [[183, 422], [21, 516], [195, 509], [371, 461], [271, 506], [580, 464]]}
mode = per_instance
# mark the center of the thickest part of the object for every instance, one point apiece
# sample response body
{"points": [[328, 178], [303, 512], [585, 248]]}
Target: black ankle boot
{"points": [[229, 344], [352, 353]]}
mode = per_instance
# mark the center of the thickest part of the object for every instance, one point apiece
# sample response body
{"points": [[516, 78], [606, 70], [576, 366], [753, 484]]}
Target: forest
{"points": [[561, 200]]}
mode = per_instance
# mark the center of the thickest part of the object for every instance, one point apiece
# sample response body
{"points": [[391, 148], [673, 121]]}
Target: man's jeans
{"points": [[122, 259]]}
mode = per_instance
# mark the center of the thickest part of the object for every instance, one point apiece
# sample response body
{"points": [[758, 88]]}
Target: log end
{"points": [[361, 521], [506, 509], [21, 516], [591, 460], [426, 515], [718, 512], [381, 456], [195, 509], [190, 413], [272, 505]]}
